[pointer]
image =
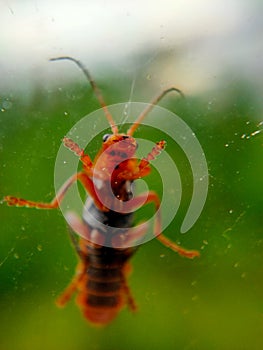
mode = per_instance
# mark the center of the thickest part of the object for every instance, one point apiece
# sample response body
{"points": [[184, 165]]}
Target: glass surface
{"points": [[213, 302]]}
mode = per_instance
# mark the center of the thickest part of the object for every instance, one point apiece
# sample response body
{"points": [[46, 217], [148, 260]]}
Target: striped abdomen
{"points": [[103, 290]]}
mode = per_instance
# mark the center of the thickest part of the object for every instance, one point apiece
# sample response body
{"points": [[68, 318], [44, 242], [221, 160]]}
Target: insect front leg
{"points": [[84, 158], [134, 169], [142, 170], [143, 167]]}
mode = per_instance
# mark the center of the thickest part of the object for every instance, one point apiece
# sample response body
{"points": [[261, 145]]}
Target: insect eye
{"points": [[105, 137]]}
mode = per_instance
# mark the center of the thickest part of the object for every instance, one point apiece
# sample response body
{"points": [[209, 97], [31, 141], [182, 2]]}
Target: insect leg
{"points": [[130, 300], [82, 177], [75, 242], [78, 227], [73, 286], [142, 168], [152, 197], [175, 247], [144, 163], [129, 238], [82, 230], [81, 267], [74, 147], [19, 202]]}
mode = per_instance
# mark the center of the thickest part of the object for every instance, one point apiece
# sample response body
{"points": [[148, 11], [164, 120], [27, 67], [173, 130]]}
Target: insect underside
{"points": [[106, 236]]}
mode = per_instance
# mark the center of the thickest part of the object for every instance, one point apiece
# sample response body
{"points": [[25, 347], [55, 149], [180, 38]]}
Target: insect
{"points": [[105, 236]]}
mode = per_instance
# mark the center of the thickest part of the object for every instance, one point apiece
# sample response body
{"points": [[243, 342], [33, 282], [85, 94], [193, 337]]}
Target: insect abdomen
{"points": [[103, 290]]}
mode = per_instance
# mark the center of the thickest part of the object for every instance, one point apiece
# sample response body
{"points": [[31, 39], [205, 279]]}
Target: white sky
{"points": [[212, 34]]}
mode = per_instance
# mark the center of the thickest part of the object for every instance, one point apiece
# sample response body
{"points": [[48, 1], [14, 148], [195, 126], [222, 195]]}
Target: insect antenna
{"points": [[95, 88], [149, 107]]}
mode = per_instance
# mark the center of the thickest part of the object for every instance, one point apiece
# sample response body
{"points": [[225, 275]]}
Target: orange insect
{"points": [[106, 236]]}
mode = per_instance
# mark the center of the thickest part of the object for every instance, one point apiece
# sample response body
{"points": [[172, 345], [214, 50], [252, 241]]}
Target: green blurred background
{"points": [[214, 302]]}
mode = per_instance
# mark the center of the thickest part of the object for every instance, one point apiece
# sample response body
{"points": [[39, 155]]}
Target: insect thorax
{"points": [[96, 218]]}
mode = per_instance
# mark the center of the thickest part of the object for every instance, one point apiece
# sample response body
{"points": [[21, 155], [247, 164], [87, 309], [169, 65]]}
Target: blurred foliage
{"points": [[215, 302]]}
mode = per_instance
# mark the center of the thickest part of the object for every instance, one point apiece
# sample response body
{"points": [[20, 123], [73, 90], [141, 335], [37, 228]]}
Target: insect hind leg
{"points": [[127, 291], [73, 286], [76, 225]]}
